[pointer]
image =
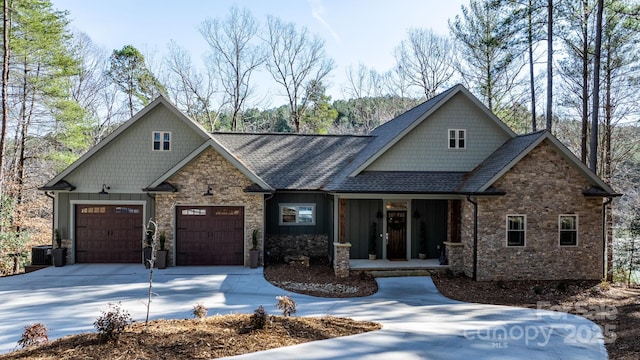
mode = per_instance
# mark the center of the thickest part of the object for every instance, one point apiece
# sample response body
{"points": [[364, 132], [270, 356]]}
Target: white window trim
{"points": [[297, 206], [560, 229], [506, 239], [162, 133], [457, 139]]}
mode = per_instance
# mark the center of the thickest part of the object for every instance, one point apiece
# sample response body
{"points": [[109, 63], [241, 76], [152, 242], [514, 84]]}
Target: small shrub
{"points": [[259, 318], [199, 311], [537, 289], [112, 322], [33, 334], [605, 285], [562, 287], [286, 304]]}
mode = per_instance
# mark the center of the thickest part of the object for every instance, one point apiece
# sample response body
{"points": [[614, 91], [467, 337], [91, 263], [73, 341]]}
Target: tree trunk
{"points": [[593, 153], [5, 84], [585, 82], [549, 63], [531, 73]]}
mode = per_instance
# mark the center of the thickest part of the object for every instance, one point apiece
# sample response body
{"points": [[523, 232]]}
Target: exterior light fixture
{"points": [[104, 189], [208, 193]]}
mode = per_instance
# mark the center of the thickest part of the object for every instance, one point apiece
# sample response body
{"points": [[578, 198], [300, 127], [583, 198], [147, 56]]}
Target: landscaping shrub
{"points": [[33, 335], [199, 311], [286, 304], [112, 322], [259, 318]]}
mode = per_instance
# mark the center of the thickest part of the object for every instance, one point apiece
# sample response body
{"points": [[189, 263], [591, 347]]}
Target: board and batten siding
{"points": [[321, 202], [127, 164], [361, 214], [426, 147]]}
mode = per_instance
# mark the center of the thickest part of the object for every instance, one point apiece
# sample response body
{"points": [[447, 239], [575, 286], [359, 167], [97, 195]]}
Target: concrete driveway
{"points": [[418, 322]]}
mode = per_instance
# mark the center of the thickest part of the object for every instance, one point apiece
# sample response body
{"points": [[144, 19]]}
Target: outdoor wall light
{"points": [[208, 193], [104, 189]]}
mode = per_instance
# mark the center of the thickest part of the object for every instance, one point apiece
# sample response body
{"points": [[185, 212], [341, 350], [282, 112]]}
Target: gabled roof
{"points": [[391, 132], [294, 161], [511, 152], [211, 143], [121, 129]]}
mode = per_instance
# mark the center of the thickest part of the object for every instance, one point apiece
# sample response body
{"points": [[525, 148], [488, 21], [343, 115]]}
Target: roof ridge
{"points": [[290, 134]]}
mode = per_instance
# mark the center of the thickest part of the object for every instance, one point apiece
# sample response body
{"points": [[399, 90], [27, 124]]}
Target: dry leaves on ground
{"points": [[209, 338]]}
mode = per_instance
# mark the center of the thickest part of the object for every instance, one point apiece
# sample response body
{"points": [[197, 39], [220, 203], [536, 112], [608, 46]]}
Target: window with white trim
{"points": [[297, 214], [161, 141], [457, 138], [516, 230], [568, 230]]}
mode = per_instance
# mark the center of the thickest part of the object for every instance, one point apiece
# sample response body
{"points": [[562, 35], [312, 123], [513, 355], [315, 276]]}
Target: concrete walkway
{"points": [[418, 322]]}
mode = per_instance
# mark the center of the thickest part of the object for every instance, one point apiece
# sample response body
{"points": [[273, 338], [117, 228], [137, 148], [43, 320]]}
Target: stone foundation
{"points": [[282, 247], [341, 253]]}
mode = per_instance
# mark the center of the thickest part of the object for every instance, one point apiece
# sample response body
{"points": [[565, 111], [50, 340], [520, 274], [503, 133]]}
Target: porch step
{"points": [[32, 268], [400, 272]]}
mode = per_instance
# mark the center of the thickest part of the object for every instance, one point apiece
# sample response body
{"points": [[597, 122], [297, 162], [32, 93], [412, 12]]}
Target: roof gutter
{"points": [[475, 236]]}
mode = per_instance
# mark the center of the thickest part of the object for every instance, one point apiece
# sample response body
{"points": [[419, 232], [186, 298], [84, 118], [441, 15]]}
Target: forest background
{"points": [[570, 67]]}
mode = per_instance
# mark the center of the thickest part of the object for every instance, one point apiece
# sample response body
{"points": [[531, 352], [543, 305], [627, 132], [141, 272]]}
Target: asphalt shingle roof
{"points": [[293, 162], [497, 162]]}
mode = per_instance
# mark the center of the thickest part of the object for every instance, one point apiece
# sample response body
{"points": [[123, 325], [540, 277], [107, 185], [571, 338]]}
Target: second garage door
{"points": [[209, 235]]}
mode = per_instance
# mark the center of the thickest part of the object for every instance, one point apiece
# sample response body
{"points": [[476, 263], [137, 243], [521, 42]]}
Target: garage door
{"points": [[108, 234], [210, 235]]}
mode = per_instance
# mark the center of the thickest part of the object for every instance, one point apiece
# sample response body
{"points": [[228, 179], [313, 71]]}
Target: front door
{"points": [[397, 235]]}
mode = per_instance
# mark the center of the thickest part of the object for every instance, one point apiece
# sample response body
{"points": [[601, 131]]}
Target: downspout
{"points": [[265, 253], [605, 256], [475, 236], [53, 216]]}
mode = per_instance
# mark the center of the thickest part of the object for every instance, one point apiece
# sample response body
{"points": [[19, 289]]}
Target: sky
{"points": [[354, 31]]}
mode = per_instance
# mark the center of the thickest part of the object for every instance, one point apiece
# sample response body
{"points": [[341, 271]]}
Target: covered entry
{"points": [[209, 235], [108, 233]]}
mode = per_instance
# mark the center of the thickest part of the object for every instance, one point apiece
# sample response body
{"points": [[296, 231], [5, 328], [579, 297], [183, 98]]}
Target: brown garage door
{"points": [[108, 234], [210, 235]]}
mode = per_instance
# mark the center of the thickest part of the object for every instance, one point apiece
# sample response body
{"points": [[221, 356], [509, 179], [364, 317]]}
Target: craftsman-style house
{"points": [[446, 179]]}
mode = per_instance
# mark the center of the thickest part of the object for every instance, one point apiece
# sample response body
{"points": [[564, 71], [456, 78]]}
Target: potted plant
{"points": [[372, 241], [59, 253], [161, 255], [422, 251], [254, 252], [147, 248]]}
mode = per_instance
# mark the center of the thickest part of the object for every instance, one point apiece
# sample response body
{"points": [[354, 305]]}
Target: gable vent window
{"points": [[161, 141], [457, 138]]}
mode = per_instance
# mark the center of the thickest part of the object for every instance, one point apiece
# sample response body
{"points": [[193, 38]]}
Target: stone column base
{"points": [[341, 253], [454, 255]]}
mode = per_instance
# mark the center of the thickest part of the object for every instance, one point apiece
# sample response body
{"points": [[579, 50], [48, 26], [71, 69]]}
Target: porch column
{"points": [[454, 256], [341, 252]]}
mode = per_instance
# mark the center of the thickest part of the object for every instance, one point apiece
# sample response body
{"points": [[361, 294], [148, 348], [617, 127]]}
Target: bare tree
{"points": [[296, 59], [549, 113], [234, 55], [426, 59], [191, 90]]}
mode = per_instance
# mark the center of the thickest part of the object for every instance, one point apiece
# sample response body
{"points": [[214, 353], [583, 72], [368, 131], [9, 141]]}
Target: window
{"points": [[516, 230], [297, 214], [161, 141], [568, 228], [457, 138], [194, 212]]}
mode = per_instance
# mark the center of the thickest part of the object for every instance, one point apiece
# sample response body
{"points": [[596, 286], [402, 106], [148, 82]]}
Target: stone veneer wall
{"points": [[228, 184], [541, 186], [279, 246]]}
